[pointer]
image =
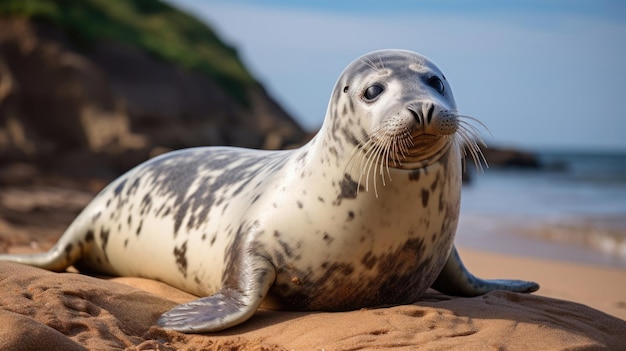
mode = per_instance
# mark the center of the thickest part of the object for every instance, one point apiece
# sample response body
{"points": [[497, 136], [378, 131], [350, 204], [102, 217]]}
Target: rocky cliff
{"points": [[91, 88]]}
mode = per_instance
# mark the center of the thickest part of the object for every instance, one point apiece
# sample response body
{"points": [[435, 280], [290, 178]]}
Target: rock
{"points": [[99, 111], [509, 157]]}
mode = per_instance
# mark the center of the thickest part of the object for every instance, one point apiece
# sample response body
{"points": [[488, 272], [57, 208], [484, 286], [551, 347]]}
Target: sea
{"points": [[573, 208]]}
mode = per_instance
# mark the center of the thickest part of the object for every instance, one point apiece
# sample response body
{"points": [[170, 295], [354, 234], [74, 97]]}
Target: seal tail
{"points": [[64, 253]]}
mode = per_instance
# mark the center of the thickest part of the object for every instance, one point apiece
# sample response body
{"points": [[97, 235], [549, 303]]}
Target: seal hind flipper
{"points": [[226, 308], [68, 250], [456, 280]]}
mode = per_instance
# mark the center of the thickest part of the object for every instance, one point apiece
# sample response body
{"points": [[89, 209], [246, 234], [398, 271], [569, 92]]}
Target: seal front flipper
{"points": [[230, 306], [456, 280]]}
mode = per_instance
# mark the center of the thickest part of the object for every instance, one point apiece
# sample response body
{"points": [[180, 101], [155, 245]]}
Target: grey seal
{"points": [[363, 215]]}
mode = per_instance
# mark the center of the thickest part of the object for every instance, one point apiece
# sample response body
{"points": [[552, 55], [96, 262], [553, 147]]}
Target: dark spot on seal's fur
{"points": [[132, 189], [191, 222], [286, 249], [327, 238], [300, 205], [415, 175], [139, 228], [441, 202], [347, 132], [256, 198], [104, 236], [125, 243], [181, 258], [118, 189], [68, 252], [179, 216], [167, 211], [435, 183], [146, 204], [89, 236], [425, 196], [350, 215], [348, 189], [302, 156], [369, 260]]}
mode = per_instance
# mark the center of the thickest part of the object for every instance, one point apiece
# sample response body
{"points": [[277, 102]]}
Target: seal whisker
{"points": [[377, 162], [474, 130], [365, 163], [373, 65], [473, 119], [368, 165], [394, 150], [471, 137], [360, 151], [471, 146], [406, 144], [374, 163], [387, 150], [381, 160]]}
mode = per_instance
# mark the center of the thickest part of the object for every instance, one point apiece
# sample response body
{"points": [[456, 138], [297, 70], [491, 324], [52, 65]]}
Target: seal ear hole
{"points": [[345, 89], [436, 83], [372, 92]]}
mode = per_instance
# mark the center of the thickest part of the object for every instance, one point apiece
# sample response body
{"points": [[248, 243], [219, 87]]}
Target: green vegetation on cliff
{"points": [[150, 25]]}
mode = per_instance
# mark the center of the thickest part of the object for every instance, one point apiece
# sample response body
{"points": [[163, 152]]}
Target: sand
{"points": [[578, 307]]}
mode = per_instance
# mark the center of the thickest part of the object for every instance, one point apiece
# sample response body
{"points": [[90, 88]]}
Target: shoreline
{"points": [[590, 240]]}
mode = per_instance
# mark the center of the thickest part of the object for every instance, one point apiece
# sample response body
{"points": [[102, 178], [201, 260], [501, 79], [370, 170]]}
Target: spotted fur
{"points": [[363, 215]]}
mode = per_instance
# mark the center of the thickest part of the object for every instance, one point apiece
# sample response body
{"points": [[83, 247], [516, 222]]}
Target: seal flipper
{"points": [[230, 306], [70, 248], [456, 280]]}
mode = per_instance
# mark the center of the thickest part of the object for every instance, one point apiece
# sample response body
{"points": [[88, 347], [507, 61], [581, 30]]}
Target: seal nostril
{"points": [[416, 116], [429, 113]]}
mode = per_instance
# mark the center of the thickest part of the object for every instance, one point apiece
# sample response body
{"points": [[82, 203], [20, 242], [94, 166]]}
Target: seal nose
{"points": [[432, 119]]}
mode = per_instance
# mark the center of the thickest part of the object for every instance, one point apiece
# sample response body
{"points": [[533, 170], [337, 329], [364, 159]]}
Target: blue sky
{"points": [[538, 73]]}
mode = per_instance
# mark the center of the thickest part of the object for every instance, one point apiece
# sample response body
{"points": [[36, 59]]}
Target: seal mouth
{"points": [[412, 148]]}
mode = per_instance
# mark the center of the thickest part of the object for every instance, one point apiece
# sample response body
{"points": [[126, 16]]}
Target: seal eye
{"points": [[436, 83], [372, 92]]}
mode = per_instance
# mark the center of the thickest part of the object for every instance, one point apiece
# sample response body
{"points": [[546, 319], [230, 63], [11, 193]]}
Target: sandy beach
{"points": [[577, 307]]}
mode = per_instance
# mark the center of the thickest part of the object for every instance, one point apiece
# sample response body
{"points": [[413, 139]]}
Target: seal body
{"points": [[363, 215]]}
